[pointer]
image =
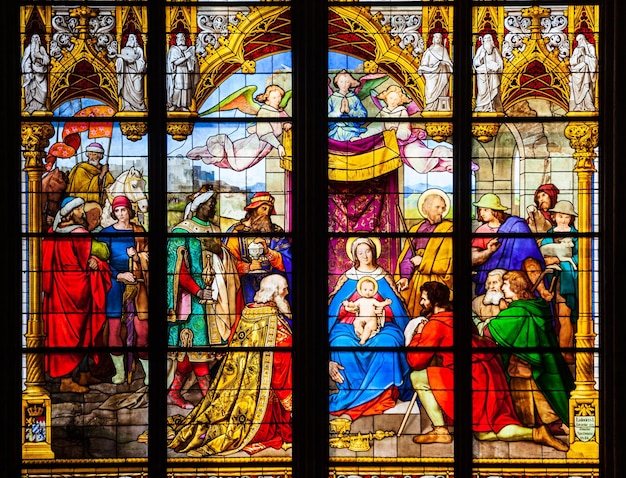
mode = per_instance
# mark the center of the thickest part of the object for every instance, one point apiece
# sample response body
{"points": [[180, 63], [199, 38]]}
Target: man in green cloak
{"points": [[539, 378]]}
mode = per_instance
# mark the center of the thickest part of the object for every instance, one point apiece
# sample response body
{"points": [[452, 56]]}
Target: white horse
{"points": [[129, 183]]}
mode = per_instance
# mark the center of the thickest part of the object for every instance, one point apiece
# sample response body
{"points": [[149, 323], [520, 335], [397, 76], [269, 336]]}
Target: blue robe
{"points": [[368, 372], [344, 130], [250, 281], [118, 242], [511, 254]]}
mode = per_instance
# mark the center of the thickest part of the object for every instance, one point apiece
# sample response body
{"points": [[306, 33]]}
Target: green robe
{"points": [[187, 244], [527, 324]]}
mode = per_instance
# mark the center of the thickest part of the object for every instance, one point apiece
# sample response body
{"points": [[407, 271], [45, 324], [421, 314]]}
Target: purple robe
{"points": [[511, 254]]}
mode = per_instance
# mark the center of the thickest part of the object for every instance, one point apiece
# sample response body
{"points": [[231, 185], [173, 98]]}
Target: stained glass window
{"points": [[217, 201]]}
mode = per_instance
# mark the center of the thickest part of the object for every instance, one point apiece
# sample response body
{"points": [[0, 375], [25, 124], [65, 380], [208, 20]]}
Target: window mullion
{"points": [[310, 417], [157, 449], [462, 94]]}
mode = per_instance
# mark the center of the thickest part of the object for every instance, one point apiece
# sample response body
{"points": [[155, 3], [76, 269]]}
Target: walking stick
{"points": [[406, 229], [406, 415]]}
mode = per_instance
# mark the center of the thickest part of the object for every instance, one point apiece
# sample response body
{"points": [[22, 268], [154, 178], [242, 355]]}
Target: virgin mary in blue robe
{"points": [[373, 379]]}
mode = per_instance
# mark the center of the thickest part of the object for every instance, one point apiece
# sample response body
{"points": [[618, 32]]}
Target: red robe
{"points": [[492, 406], [276, 427], [74, 298]]}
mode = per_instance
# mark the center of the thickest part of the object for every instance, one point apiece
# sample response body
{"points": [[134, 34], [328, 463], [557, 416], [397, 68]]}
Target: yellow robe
{"points": [[436, 265], [228, 418], [84, 182]]}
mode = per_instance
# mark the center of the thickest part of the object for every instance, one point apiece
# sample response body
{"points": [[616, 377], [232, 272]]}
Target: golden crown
{"points": [[35, 411]]}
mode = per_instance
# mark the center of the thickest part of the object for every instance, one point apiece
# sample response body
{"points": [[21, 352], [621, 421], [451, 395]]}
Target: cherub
{"points": [[370, 317], [240, 154]]}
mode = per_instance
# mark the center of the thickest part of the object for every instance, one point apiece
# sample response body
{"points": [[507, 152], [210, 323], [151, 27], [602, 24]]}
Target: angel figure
{"points": [[345, 103], [244, 153], [394, 103]]}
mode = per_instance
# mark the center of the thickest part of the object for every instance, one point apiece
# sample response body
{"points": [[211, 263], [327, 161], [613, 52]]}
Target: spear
{"points": [[406, 229]]}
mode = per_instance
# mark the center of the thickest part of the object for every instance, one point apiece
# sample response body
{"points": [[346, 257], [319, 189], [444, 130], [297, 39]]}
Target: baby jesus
{"points": [[370, 317]]}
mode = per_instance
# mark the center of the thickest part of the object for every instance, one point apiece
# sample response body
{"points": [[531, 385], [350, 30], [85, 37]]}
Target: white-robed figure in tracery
{"points": [[35, 63], [584, 65], [130, 67], [488, 65], [182, 74], [436, 68], [243, 153]]}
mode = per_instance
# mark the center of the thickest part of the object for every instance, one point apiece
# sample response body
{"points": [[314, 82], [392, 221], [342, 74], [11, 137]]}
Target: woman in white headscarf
{"points": [[35, 64], [583, 64]]}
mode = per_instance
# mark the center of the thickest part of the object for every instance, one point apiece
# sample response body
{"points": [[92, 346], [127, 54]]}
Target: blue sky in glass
{"points": [[253, 177], [338, 61], [275, 64]]}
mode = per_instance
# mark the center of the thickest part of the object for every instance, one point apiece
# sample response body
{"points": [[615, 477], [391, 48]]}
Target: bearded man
{"points": [[539, 378], [436, 68], [88, 179], [486, 306], [257, 256], [76, 278], [201, 294], [182, 74], [488, 64], [539, 216], [248, 406], [427, 256], [503, 241], [493, 413]]}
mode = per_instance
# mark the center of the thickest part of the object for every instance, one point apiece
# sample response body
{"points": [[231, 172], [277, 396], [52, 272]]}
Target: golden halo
{"points": [[351, 240], [428, 192], [366, 279]]}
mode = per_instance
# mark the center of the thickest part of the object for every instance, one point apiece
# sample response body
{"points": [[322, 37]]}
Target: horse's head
{"points": [[135, 189]]}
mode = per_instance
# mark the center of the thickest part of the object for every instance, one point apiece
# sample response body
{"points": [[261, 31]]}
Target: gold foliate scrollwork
{"points": [[134, 130], [535, 13], [485, 132], [35, 139], [248, 67], [583, 137], [370, 66], [84, 14], [439, 131], [179, 131], [585, 410]]}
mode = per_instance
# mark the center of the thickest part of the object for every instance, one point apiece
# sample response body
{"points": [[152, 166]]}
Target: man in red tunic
{"points": [[76, 278], [493, 415]]}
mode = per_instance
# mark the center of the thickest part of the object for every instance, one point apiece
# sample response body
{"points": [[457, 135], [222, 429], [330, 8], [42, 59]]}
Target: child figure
{"points": [[344, 103], [368, 319]]}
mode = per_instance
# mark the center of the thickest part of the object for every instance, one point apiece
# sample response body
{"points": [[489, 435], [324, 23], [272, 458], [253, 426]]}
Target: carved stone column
{"points": [[36, 418], [583, 405]]}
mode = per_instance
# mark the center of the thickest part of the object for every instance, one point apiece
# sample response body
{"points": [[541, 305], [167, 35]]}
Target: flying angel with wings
{"points": [[392, 102], [243, 153]]}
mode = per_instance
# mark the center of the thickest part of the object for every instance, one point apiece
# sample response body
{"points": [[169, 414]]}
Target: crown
{"points": [[359, 443], [35, 411]]}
